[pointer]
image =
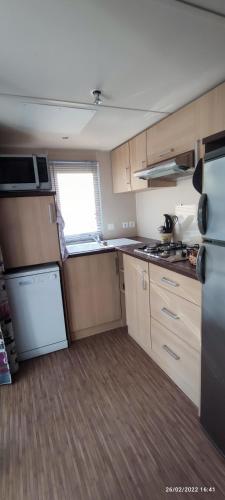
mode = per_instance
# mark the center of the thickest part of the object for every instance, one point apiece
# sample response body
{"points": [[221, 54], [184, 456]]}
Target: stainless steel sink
{"points": [[94, 245]]}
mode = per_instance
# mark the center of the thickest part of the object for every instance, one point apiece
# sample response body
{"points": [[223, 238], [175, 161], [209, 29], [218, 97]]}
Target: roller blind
{"points": [[78, 196]]}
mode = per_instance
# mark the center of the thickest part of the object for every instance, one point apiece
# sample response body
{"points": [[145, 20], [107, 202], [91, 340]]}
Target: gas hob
{"points": [[171, 252]]}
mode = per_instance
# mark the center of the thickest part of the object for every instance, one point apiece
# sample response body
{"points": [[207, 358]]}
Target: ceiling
{"points": [[152, 54]]}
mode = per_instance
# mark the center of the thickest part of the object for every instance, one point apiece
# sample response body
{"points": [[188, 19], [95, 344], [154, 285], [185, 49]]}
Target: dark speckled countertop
{"points": [[183, 267]]}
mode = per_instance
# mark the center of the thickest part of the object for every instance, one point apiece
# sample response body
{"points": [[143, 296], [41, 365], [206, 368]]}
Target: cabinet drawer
{"points": [[176, 314], [187, 288], [177, 359]]}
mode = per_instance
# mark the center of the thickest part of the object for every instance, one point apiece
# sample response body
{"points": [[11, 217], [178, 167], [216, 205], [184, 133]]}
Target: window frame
{"points": [[80, 167]]}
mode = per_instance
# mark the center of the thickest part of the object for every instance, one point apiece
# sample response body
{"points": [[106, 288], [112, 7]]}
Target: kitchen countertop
{"points": [[183, 267]]}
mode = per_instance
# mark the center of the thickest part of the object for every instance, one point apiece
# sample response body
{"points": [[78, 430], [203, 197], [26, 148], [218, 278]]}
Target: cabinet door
{"points": [[137, 300], [28, 231], [92, 290], [120, 159], [211, 112], [174, 135], [138, 159]]}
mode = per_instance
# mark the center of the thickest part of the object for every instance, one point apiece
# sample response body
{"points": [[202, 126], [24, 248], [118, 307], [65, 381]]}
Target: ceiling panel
{"points": [[151, 54]]}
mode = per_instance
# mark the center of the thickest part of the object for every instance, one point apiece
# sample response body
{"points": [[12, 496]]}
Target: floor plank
{"points": [[101, 421]]}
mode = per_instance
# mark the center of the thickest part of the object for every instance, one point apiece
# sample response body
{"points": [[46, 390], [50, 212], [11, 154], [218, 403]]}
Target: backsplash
{"points": [[186, 228], [181, 200]]}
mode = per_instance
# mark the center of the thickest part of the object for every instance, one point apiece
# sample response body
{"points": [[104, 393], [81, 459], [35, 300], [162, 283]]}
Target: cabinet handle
{"points": [[128, 175], [117, 264], [169, 313], [168, 282], [52, 213], [170, 352], [144, 282], [165, 153]]}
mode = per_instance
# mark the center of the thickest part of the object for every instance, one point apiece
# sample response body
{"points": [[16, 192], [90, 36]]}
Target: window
{"points": [[78, 197]]}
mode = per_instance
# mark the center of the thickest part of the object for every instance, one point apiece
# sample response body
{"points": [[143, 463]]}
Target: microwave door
{"points": [[17, 173]]}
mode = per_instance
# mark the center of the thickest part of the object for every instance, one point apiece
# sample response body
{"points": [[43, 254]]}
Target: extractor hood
{"points": [[178, 166]]}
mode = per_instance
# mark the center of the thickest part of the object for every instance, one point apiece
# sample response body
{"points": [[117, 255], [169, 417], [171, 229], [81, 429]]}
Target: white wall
{"points": [[151, 205], [116, 208]]}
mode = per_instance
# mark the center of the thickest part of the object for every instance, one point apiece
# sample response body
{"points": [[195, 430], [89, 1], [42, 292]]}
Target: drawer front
{"points": [[176, 314], [187, 288], [177, 359]]}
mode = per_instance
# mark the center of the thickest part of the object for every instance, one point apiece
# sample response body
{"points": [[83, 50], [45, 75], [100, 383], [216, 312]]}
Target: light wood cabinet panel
{"points": [[177, 359], [28, 231], [137, 301], [177, 314], [211, 111], [92, 290], [120, 159], [138, 160], [173, 135], [187, 288]]}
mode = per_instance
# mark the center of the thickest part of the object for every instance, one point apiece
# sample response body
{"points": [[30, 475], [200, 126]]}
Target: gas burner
{"points": [[171, 252]]}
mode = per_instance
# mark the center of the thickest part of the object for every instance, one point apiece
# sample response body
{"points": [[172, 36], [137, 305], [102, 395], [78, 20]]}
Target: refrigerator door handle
{"points": [[200, 264], [202, 213]]}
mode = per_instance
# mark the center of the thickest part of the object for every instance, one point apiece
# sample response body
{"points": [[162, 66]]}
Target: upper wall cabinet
{"points": [[174, 135], [138, 159], [28, 231], [120, 158], [211, 112]]}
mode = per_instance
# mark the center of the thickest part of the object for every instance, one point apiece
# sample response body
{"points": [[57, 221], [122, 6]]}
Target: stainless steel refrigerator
{"points": [[211, 272]]}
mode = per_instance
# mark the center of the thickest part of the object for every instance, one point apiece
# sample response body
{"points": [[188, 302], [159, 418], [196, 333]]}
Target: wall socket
{"points": [[131, 223], [125, 225], [110, 227]]}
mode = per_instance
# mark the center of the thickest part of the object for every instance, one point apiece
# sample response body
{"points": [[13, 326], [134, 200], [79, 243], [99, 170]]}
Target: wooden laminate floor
{"points": [[101, 421]]}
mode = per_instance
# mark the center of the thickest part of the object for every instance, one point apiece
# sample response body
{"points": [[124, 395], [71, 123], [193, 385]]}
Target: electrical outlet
{"points": [[110, 227], [131, 223], [125, 225]]}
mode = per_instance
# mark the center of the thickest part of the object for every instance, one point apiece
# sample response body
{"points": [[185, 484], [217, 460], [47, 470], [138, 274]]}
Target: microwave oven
{"points": [[24, 172]]}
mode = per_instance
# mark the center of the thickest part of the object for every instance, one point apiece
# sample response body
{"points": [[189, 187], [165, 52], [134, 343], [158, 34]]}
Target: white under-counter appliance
{"points": [[35, 300]]}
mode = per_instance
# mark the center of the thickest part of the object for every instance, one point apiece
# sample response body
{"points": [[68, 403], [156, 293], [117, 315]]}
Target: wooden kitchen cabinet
{"points": [[120, 159], [177, 359], [28, 231], [137, 301], [175, 302], [173, 135], [211, 112], [138, 159], [92, 293]]}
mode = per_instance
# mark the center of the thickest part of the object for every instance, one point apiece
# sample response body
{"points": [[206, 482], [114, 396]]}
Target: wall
{"points": [[151, 205], [116, 208]]}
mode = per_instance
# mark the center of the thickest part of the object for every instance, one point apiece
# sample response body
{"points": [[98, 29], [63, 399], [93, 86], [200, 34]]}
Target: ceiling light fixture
{"points": [[65, 137], [97, 97]]}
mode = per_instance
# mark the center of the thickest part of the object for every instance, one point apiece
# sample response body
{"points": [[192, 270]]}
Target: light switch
{"points": [[110, 227], [131, 223]]}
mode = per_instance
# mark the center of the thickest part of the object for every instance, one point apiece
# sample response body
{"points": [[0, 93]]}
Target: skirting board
{"points": [[93, 330]]}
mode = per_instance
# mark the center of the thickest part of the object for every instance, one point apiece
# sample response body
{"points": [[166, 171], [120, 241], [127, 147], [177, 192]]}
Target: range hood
{"points": [[178, 166]]}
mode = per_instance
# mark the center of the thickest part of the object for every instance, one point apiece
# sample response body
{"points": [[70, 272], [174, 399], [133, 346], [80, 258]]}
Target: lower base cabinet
{"points": [[164, 323], [137, 301], [177, 359], [92, 293]]}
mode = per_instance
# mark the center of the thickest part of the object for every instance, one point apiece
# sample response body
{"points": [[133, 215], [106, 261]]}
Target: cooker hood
{"points": [[178, 166]]}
